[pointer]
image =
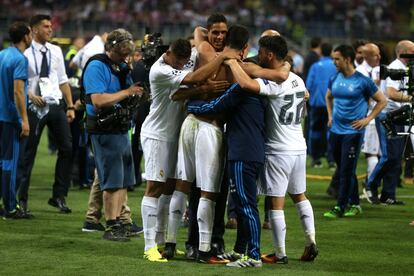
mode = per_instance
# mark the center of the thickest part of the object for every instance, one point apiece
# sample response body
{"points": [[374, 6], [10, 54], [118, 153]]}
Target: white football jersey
{"points": [[166, 116], [284, 114]]}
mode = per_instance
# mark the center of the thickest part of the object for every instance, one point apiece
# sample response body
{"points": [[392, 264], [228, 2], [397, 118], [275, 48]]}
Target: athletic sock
{"points": [[149, 218], [177, 209], [111, 222], [305, 213], [371, 163], [277, 220], [205, 219], [162, 218]]}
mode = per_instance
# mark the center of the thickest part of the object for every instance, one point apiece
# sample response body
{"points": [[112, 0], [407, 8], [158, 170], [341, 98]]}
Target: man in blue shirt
{"points": [[107, 85], [13, 116], [317, 82], [347, 104]]}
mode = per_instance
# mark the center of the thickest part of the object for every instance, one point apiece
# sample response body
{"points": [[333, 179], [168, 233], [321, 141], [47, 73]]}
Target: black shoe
{"points": [[191, 252], [317, 164], [60, 204], [310, 253], [132, 230], [23, 208], [391, 201], [209, 258], [92, 227], [115, 233], [217, 248], [371, 195], [17, 214], [169, 250]]}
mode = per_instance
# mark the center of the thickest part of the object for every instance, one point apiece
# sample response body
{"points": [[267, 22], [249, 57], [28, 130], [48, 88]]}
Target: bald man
{"points": [[371, 144], [389, 166]]}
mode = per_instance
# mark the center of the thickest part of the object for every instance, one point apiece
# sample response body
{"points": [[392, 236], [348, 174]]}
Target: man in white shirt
{"points": [[390, 171], [93, 47], [48, 87]]}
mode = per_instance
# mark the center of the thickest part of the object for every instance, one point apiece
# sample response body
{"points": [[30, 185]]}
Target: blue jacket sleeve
{"points": [[225, 102]]}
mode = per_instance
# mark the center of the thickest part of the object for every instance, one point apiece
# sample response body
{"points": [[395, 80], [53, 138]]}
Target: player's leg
{"points": [[275, 176]]}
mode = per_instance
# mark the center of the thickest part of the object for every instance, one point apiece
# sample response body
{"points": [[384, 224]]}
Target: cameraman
{"points": [[390, 171], [107, 84]]}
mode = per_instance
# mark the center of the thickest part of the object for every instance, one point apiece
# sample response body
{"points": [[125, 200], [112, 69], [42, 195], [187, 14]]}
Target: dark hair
{"points": [[358, 43], [36, 19], [346, 51], [326, 49], [181, 48], [274, 44], [315, 42], [17, 31], [237, 37], [385, 59], [215, 18]]}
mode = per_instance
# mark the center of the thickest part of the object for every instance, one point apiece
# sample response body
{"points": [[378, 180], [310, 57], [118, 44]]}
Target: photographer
{"points": [[108, 86], [390, 170]]}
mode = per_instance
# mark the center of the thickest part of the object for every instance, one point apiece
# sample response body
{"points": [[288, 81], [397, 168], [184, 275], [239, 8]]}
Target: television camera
{"points": [[404, 115]]}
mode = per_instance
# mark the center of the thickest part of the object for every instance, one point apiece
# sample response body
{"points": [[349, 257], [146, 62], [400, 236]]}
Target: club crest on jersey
{"points": [[162, 173]]}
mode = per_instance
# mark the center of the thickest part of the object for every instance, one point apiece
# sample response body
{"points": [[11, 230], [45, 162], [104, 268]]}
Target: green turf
{"points": [[378, 242]]}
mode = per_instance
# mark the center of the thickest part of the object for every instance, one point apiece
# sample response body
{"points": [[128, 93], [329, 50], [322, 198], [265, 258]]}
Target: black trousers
{"points": [[57, 122]]}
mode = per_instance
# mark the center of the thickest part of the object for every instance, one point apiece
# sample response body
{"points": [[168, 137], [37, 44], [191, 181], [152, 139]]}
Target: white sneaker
{"points": [[246, 262]]}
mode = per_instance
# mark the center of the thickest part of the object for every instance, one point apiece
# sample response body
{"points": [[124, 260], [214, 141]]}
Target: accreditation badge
{"points": [[45, 87]]}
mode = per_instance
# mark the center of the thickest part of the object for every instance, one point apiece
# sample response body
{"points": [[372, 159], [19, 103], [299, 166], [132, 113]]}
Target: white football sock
{"points": [[162, 218], [371, 163], [305, 213], [277, 220], [149, 207], [177, 209], [205, 219]]}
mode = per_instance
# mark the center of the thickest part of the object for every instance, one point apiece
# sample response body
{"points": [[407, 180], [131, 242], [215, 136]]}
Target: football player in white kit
{"points": [[159, 135], [285, 164]]}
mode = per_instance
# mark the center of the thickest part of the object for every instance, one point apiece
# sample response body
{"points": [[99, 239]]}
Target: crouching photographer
{"points": [[398, 85], [110, 99]]}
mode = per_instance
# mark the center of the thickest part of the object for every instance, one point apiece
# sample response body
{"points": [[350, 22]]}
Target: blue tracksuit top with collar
{"points": [[245, 122]]}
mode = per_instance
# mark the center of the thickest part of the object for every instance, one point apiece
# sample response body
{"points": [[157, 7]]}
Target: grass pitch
{"points": [[379, 242]]}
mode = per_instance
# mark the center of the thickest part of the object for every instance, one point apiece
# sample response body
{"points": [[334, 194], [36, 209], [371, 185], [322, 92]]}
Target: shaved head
{"points": [[270, 32], [371, 53], [404, 47], [371, 49]]}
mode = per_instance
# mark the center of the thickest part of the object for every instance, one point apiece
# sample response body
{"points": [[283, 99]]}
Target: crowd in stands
{"points": [[346, 18]]}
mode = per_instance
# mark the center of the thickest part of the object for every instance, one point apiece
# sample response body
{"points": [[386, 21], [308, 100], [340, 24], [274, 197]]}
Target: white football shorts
{"points": [[283, 173], [160, 159], [370, 144], [200, 154]]}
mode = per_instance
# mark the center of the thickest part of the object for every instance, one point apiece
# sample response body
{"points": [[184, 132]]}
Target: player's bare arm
{"points": [[329, 105], [278, 75], [205, 71], [381, 103], [200, 92], [244, 80]]}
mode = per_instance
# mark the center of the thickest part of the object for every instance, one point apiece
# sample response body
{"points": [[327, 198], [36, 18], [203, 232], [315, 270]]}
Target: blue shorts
{"points": [[113, 159]]}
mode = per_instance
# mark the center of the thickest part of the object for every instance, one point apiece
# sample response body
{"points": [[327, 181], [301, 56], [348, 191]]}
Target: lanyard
{"points": [[34, 57]]}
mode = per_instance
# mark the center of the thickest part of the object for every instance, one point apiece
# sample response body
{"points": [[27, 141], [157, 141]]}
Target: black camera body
{"points": [[120, 115], [152, 49], [401, 74], [404, 115]]}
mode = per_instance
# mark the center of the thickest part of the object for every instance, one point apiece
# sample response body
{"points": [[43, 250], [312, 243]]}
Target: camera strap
{"points": [[118, 71]]}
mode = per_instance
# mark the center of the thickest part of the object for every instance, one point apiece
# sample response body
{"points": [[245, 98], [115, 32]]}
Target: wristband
{"points": [[70, 108]]}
